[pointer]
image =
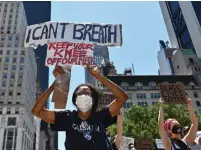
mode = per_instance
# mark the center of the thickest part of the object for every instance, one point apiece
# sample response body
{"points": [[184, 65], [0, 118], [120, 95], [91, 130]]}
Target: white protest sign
{"points": [[125, 143], [159, 144], [66, 53], [101, 34]]}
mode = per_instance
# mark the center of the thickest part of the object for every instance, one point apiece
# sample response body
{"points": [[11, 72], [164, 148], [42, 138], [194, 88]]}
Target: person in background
{"points": [[116, 143], [85, 128], [197, 139], [170, 131]]}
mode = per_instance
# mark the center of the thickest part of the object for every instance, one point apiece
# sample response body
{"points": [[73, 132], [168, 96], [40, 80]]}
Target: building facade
{"points": [[174, 61], [101, 55], [183, 21], [144, 90], [18, 72]]}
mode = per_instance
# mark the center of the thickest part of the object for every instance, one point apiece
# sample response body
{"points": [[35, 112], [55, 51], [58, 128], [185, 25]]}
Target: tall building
{"points": [[101, 55], [18, 72], [183, 21], [173, 61], [43, 14]]}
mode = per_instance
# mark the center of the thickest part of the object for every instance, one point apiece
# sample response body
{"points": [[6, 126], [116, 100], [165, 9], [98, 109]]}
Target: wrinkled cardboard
{"points": [[59, 97], [173, 93]]}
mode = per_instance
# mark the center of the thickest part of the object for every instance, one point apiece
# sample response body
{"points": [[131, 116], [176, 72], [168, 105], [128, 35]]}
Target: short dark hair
{"points": [[95, 94]]}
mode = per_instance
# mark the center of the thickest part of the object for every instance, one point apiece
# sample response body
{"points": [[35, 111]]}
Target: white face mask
{"points": [[84, 103]]}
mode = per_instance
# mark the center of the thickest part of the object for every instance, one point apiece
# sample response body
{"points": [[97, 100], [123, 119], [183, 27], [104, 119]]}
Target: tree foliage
{"points": [[142, 122]]}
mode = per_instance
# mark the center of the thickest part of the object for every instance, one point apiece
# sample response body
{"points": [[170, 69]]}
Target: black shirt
{"points": [[83, 135], [114, 147]]}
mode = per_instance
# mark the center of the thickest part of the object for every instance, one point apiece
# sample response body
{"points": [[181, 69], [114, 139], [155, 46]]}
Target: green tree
{"points": [[142, 122]]}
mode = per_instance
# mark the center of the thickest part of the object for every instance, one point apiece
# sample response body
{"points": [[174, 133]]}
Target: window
{"points": [[137, 95], [10, 37], [2, 93], [8, 52], [1, 110], [8, 110], [18, 102], [198, 103], [16, 44], [11, 122], [22, 59], [21, 67], [1, 52], [144, 95], [129, 95], [14, 60], [152, 95], [12, 75], [139, 86], [3, 83], [195, 94], [4, 75], [7, 60], [18, 93], [13, 67], [17, 38], [143, 104], [15, 52], [10, 93], [22, 52], [17, 110]]}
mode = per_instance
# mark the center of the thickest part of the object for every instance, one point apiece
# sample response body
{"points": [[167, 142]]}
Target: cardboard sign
{"points": [[66, 53], [60, 97], [101, 34], [173, 93]]}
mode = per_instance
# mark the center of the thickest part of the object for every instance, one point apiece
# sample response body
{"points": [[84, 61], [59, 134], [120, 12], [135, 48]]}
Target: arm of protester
{"points": [[38, 109], [191, 135], [119, 94], [118, 138], [162, 132]]}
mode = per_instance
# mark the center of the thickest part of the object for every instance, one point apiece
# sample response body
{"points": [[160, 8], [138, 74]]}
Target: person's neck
{"points": [[84, 115]]}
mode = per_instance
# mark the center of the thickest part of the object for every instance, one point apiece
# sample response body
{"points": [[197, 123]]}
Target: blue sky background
{"points": [[143, 27]]}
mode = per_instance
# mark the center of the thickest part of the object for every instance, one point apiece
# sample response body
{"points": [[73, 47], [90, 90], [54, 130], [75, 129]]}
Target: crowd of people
{"points": [[87, 128]]}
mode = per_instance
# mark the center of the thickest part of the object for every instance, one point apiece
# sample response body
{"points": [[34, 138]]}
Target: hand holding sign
{"points": [[188, 101], [161, 101], [58, 70], [93, 70]]}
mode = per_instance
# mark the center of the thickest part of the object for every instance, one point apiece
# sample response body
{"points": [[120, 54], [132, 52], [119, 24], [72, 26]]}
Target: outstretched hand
{"points": [[94, 71]]}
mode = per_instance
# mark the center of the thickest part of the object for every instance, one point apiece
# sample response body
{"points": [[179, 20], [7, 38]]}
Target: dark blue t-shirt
{"points": [[84, 134]]}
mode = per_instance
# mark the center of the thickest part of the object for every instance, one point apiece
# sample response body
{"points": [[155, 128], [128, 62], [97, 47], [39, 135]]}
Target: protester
{"points": [[116, 143], [197, 140], [171, 131], [85, 128]]}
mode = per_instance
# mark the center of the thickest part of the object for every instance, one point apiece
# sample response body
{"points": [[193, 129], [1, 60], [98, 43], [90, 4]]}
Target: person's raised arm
{"points": [[38, 109], [191, 135], [119, 94], [118, 138], [162, 132]]}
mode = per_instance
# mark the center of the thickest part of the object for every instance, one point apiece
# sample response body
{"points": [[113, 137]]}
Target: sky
{"points": [[142, 28]]}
